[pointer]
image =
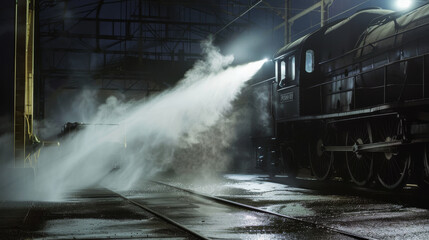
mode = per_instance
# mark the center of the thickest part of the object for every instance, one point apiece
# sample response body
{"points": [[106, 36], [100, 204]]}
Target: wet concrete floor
{"points": [[97, 213], [374, 214], [220, 221], [86, 214]]}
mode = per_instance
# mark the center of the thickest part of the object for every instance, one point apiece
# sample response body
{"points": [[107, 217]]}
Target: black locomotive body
{"points": [[352, 99]]}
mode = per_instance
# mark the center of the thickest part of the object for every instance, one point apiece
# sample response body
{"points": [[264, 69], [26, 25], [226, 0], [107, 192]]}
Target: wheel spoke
{"points": [[321, 164], [359, 164], [288, 161], [392, 167], [424, 168]]}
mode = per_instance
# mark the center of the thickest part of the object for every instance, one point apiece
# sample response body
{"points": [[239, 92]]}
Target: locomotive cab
{"points": [[287, 68], [297, 70]]}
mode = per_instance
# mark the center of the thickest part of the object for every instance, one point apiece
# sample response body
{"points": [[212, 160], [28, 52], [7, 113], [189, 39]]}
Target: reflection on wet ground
{"points": [[85, 214], [216, 220], [375, 217], [99, 213]]}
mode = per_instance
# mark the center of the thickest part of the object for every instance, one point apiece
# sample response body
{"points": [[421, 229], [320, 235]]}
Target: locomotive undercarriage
{"points": [[390, 149]]}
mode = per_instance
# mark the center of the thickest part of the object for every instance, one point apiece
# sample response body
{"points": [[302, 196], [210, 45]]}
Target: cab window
{"points": [[291, 68], [287, 70], [309, 61], [282, 73]]}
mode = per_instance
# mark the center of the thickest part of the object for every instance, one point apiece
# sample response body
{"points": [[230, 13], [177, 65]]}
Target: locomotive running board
{"points": [[374, 147]]}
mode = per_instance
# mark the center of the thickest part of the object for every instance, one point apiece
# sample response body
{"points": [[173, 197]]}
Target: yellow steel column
{"points": [[24, 64]]}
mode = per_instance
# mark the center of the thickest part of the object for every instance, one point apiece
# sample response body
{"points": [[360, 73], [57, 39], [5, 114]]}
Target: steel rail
{"points": [[252, 208], [161, 216], [24, 221]]}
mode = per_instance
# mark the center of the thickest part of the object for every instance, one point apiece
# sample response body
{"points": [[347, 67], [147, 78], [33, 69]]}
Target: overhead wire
{"points": [[238, 17], [330, 18]]}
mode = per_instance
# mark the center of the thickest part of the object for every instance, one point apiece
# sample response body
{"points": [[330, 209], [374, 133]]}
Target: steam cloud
{"points": [[160, 134]]}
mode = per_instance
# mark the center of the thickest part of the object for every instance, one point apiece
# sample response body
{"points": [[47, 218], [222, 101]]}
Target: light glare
{"points": [[403, 4]]}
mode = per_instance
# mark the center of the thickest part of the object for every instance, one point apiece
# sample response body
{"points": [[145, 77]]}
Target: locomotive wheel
{"points": [[393, 166], [360, 164], [288, 160], [320, 160], [424, 169]]}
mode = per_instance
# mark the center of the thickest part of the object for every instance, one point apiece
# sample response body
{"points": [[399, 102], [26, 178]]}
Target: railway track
{"points": [[162, 210], [252, 208], [229, 204], [162, 216]]}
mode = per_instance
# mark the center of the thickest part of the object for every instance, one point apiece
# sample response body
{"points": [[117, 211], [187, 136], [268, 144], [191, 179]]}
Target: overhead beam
{"points": [[143, 20], [115, 37], [119, 52], [323, 5], [305, 12]]}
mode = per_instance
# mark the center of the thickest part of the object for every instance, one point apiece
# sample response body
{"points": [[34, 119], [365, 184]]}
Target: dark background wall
{"points": [[7, 16]]}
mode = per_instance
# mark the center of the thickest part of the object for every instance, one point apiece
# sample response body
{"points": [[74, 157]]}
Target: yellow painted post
{"points": [[24, 64]]}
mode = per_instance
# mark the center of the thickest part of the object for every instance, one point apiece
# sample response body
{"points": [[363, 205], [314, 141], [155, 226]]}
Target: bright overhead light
{"points": [[403, 4]]}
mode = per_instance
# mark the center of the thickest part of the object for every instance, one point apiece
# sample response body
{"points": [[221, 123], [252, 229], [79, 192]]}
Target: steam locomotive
{"points": [[352, 100]]}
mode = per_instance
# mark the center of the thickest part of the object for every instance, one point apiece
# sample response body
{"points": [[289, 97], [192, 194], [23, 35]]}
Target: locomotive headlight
{"points": [[403, 4]]}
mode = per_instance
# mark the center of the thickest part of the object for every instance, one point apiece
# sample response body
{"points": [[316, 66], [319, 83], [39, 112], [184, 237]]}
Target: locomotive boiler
{"points": [[352, 99]]}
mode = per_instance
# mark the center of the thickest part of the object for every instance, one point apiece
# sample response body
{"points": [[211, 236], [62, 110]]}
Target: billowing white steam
{"points": [[156, 131]]}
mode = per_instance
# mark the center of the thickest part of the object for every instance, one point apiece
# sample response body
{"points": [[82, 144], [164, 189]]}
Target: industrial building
{"points": [[214, 119]]}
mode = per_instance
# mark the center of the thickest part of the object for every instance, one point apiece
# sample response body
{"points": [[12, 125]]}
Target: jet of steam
{"points": [[152, 130]]}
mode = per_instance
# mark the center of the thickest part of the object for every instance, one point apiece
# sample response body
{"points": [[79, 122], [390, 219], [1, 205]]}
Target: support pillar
{"points": [[288, 25], [324, 12], [24, 64]]}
